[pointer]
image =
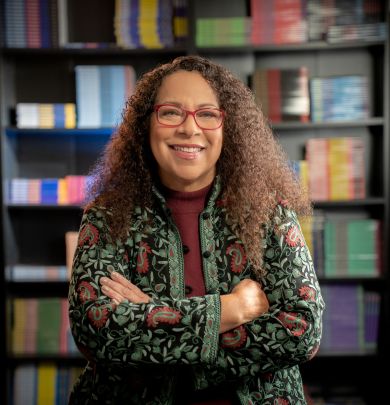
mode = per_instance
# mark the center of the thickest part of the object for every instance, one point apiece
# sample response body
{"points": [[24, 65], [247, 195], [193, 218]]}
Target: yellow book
{"points": [[304, 175], [70, 115], [148, 24], [180, 26], [117, 23], [339, 161], [19, 326], [307, 231], [46, 115], [62, 192], [46, 384]]}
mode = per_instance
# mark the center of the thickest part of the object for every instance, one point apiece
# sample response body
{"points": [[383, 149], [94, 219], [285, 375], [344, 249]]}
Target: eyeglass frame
{"points": [[188, 112]]}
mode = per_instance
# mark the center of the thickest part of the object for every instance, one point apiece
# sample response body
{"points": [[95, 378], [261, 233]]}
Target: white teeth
{"points": [[186, 149]]}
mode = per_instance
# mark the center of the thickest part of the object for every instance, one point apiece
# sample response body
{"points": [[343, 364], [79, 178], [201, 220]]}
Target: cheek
{"points": [[154, 135], [218, 146], [157, 144]]}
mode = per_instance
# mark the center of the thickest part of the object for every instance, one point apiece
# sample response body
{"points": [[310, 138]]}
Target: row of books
{"points": [[335, 20], [36, 273], [46, 273], [350, 321], [276, 22], [344, 248], [164, 23], [339, 98], [295, 22], [68, 190], [283, 94], [232, 31], [334, 168], [31, 23], [291, 95], [101, 93], [150, 23], [46, 115], [43, 384], [41, 326], [137, 23]]}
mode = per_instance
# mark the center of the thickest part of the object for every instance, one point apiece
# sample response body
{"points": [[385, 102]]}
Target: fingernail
{"points": [[103, 280], [115, 274], [105, 289]]}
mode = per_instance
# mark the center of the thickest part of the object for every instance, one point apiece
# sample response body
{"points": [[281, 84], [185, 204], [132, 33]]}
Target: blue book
{"points": [[59, 115], [44, 24], [49, 191]]}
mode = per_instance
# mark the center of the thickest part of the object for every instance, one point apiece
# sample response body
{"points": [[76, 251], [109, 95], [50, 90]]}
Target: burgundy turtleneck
{"points": [[185, 208]]}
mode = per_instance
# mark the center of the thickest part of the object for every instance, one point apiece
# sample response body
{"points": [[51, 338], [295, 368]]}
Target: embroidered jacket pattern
{"points": [[136, 352]]}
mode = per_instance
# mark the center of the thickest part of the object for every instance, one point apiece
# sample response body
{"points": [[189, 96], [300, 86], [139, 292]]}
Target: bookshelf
{"points": [[34, 233]]}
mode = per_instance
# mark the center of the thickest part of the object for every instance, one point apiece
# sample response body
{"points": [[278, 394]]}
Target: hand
{"points": [[119, 289], [252, 299], [246, 302]]}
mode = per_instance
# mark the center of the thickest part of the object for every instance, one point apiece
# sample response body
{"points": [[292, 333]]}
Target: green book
{"points": [[49, 325], [362, 248]]}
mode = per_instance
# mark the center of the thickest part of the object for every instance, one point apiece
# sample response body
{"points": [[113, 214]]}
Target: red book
{"points": [[274, 106]]}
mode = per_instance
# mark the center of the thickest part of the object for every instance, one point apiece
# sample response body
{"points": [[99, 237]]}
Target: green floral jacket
{"points": [[136, 352]]}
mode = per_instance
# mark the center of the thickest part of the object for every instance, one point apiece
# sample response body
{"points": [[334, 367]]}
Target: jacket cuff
{"points": [[211, 333]]}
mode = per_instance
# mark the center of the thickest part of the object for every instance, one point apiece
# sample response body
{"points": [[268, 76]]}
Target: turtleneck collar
{"points": [[211, 194], [186, 201]]}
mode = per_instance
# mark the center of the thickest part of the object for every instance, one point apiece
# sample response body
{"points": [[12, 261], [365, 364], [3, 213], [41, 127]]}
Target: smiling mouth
{"points": [[187, 149]]}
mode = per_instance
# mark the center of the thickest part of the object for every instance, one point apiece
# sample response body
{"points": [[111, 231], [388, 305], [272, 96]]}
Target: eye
{"points": [[168, 111], [208, 114]]}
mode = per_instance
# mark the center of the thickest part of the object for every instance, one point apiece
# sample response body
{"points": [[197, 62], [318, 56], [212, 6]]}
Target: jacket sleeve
{"points": [[290, 332], [164, 331]]}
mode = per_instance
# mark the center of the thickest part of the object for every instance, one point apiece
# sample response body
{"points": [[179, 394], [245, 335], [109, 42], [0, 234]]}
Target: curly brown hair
{"points": [[253, 168]]}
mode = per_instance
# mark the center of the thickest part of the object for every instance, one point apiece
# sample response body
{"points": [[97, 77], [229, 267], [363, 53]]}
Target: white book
{"points": [[88, 97]]}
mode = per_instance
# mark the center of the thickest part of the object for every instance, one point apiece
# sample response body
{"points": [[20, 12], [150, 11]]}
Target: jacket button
{"points": [[206, 254], [206, 215], [186, 249]]}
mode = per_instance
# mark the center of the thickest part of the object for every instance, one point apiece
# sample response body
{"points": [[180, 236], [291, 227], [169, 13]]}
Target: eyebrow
{"points": [[202, 105]]}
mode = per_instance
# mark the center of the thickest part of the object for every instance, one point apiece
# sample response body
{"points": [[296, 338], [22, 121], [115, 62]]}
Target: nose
{"points": [[189, 126]]}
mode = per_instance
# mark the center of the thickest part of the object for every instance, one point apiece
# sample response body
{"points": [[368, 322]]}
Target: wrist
{"points": [[231, 314]]}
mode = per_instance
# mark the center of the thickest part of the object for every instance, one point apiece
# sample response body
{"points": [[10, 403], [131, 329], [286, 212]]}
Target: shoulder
{"points": [[284, 216], [94, 212], [285, 227], [95, 222]]}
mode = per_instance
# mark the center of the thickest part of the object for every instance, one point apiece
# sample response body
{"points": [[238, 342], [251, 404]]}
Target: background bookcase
{"points": [[34, 234]]}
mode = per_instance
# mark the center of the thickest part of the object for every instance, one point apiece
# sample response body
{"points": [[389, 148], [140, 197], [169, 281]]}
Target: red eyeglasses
{"points": [[173, 116]]}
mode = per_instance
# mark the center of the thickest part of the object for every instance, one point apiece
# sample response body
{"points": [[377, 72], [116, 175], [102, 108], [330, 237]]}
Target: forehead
{"points": [[187, 85]]}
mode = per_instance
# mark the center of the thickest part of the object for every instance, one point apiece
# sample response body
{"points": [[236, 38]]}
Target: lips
{"points": [[187, 152]]}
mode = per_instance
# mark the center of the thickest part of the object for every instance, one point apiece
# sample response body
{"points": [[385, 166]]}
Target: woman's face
{"points": [[186, 155]]}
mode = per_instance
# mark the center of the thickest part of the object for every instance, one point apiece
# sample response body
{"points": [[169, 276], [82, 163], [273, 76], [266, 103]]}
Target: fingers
{"points": [[118, 288], [115, 297], [252, 300], [246, 283]]}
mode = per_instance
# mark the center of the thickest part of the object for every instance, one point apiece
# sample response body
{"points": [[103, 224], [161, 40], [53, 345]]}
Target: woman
{"points": [[191, 281]]}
